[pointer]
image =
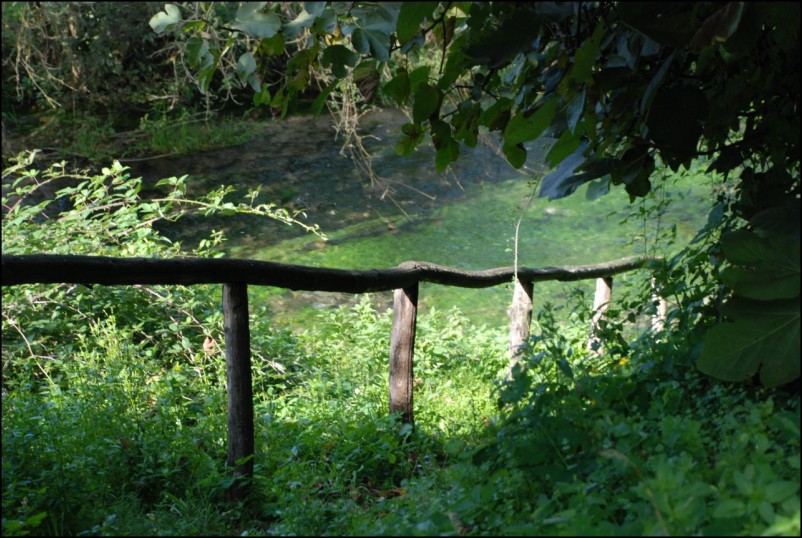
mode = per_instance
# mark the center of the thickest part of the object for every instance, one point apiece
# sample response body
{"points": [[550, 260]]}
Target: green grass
{"points": [[93, 137]]}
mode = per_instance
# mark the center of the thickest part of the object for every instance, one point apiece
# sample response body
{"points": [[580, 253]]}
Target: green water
{"points": [[465, 218], [478, 232]]}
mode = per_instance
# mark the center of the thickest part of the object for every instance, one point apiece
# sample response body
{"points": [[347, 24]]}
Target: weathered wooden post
{"points": [[601, 302], [240, 390], [661, 308], [402, 348], [520, 319]]}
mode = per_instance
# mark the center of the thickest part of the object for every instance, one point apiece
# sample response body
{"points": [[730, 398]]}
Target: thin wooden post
{"points": [[240, 390], [661, 308], [601, 302], [402, 348], [520, 319]]}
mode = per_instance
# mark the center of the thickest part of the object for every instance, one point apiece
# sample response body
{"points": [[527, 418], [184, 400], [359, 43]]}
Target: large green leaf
{"points": [[198, 53], [585, 56], [763, 338], [410, 17], [563, 181], [164, 19], [338, 57], [523, 128], [446, 154], [399, 88], [303, 20], [427, 101], [374, 42], [761, 268], [254, 22], [246, 67], [561, 149], [516, 155]]}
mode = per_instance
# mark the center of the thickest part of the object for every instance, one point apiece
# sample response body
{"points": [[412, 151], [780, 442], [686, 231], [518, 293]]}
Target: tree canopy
{"points": [[620, 89]]}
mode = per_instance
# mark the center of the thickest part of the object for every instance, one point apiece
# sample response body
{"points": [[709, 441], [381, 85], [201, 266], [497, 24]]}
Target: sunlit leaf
{"points": [[302, 21], [585, 56], [254, 22], [163, 20], [523, 128], [516, 155]]}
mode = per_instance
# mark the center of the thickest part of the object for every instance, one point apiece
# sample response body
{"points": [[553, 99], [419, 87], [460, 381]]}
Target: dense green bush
{"points": [[87, 57]]}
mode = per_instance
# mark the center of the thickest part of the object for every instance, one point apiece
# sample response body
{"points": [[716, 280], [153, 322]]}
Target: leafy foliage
{"points": [[113, 407], [621, 89]]}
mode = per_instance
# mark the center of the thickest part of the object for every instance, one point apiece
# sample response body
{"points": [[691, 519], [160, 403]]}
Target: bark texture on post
{"points": [[240, 390], [402, 348], [520, 319], [661, 309], [601, 302]]}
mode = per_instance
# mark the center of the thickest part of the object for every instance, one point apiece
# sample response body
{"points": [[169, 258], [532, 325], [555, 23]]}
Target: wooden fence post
{"points": [[601, 302], [240, 390], [661, 308], [520, 319], [402, 348]]}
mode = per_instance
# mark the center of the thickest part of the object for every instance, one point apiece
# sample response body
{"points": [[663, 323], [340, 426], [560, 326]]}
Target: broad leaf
{"points": [[598, 188], [447, 154], [304, 20], [495, 118], [338, 57], [585, 56], [417, 77], [427, 102], [372, 42], [198, 53], [410, 18], [761, 269], [398, 88], [252, 21], [562, 148], [562, 181], [522, 128], [516, 155], [246, 66], [164, 19], [763, 338]]}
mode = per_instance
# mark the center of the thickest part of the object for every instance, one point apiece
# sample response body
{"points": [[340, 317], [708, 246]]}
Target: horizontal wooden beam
{"points": [[54, 269]]}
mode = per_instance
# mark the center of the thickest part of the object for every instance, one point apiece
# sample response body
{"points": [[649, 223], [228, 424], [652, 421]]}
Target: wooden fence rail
{"points": [[235, 275]]}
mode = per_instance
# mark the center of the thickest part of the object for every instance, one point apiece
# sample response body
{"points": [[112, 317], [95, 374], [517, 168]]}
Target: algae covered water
{"points": [[464, 218]]}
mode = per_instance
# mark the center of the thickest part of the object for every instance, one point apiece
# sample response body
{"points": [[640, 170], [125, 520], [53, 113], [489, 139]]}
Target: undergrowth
{"points": [[114, 408]]}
